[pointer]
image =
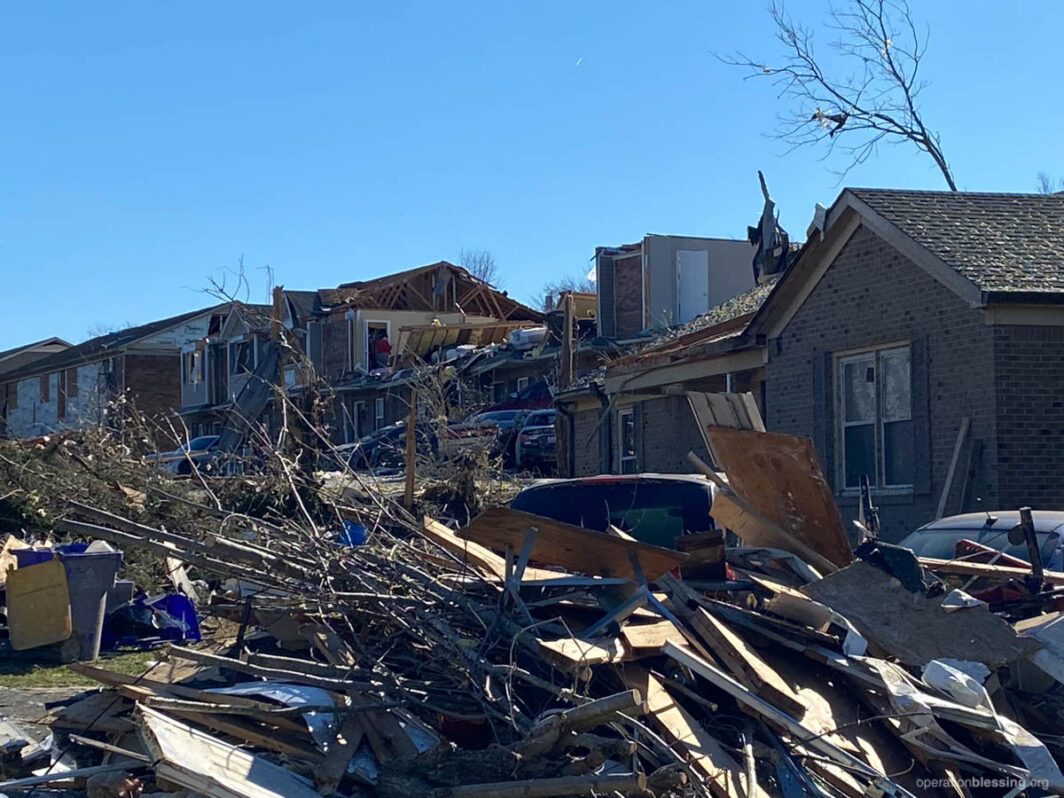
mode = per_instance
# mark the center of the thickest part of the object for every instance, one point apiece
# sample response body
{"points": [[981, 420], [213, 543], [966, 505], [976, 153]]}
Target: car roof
{"points": [[1044, 521], [613, 478]]}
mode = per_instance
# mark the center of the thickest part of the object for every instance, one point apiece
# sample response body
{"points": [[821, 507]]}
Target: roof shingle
{"points": [[1000, 242]]}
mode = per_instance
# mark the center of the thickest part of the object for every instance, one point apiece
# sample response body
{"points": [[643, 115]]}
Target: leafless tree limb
{"points": [[853, 112], [481, 264]]}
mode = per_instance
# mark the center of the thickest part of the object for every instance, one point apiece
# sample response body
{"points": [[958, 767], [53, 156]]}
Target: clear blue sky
{"points": [[148, 145]]}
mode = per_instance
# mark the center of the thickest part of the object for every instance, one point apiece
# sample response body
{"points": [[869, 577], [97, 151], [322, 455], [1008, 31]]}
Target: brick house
{"points": [[74, 387], [906, 314]]}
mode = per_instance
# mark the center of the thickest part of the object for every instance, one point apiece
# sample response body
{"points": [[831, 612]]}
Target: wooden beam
{"points": [[962, 435], [572, 547]]}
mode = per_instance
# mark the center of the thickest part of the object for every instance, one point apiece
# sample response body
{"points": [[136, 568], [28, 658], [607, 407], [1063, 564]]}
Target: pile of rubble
{"points": [[520, 656]]}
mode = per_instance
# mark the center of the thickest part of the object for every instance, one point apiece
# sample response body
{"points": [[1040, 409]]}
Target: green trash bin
{"points": [[90, 572]]}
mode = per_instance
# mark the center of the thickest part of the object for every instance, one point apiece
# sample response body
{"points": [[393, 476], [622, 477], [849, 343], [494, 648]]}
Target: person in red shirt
{"points": [[382, 350]]}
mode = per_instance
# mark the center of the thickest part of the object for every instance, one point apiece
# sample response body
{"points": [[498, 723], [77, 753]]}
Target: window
{"points": [[45, 388], [498, 392], [241, 357], [378, 346], [72, 382], [191, 367], [12, 395], [626, 454], [876, 428], [522, 383], [378, 413]]}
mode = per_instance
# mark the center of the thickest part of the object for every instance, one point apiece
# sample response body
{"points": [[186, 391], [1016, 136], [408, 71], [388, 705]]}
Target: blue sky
{"points": [[148, 146]]}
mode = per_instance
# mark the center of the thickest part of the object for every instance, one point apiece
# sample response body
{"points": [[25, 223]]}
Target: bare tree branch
{"points": [[875, 102], [1047, 185], [481, 264]]}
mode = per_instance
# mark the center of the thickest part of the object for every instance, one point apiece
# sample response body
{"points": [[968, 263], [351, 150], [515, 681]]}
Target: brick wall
{"points": [[628, 295], [1029, 365], [333, 346], [872, 295], [669, 432], [585, 444]]}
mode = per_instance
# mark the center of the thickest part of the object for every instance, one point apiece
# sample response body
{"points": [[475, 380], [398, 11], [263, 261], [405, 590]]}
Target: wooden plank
{"points": [[995, 572], [745, 663], [648, 638], [947, 486], [573, 654], [198, 762], [703, 752], [780, 477], [775, 717], [571, 547], [481, 557]]}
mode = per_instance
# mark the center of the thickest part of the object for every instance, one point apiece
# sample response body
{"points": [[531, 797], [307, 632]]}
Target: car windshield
{"points": [[653, 512], [941, 543]]}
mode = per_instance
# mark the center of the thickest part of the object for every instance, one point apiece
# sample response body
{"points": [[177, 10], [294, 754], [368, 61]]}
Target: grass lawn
{"points": [[26, 671]]}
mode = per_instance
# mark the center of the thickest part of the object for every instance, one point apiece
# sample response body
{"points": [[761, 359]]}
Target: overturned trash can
{"points": [[90, 570]]}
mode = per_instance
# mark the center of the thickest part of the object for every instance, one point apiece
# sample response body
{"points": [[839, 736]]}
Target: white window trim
{"points": [[622, 458], [378, 413], [878, 482], [522, 383]]}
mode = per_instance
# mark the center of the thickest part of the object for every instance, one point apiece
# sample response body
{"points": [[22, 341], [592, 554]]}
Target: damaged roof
{"points": [[102, 345], [1000, 242], [442, 287]]}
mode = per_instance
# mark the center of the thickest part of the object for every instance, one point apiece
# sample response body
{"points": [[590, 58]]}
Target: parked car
{"points": [[939, 538], [386, 447], [653, 508], [200, 451], [495, 430], [537, 442]]}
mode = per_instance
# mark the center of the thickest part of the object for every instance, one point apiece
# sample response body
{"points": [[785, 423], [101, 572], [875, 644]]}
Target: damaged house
{"points": [[919, 341], [422, 313], [663, 281], [75, 385]]}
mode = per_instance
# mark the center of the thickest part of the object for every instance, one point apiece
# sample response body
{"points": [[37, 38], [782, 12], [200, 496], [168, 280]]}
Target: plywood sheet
{"points": [[38, 605], [780, 477]]}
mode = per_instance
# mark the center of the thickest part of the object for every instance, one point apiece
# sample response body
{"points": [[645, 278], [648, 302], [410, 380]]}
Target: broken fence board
{"points": [[201, 763], [571, 547]]}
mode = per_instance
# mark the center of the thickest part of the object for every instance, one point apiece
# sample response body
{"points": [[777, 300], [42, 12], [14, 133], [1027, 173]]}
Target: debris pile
{"points": [[522, 656]]}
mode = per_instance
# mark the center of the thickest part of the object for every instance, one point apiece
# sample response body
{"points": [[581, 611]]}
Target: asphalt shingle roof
{"points": [[1001, 242]]}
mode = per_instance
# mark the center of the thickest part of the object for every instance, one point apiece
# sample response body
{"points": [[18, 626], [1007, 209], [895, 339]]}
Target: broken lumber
{"points": [[780, 476], [571, 547]]}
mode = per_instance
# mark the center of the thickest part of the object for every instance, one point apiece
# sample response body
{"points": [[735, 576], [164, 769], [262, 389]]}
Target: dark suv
{"points": [[653, 508]]}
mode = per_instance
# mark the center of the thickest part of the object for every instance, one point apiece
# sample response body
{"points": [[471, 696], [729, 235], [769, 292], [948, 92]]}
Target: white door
{"points": [[692, 284]]}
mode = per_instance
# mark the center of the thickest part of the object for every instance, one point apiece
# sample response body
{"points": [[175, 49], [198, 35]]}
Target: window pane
{"points": [[894, 378], [860, 446], [898, 453], [859, 392], [628, 435]]}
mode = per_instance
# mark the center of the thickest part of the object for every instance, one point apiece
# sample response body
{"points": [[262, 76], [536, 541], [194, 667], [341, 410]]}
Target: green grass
{"points": [[26, 671]]}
